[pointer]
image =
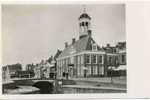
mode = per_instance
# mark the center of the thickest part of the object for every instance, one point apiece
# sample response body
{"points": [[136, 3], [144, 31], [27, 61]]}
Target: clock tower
{"points": [[84, 24]]}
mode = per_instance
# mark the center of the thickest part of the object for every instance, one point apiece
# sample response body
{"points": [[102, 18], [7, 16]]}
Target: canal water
{"points": [[45, 88], [50, 90]]}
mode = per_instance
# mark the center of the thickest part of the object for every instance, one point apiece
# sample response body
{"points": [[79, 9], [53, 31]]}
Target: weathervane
{"points": [[84, 8]]}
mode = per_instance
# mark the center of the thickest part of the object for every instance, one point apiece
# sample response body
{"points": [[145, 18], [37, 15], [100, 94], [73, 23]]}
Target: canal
{"points": [[66, 87], [45, 87]]}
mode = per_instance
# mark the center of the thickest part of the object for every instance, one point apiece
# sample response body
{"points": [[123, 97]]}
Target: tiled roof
{"points": [[78, 46]]}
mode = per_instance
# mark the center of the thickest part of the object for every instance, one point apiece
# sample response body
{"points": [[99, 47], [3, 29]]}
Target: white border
{"points": [[137, 25]]}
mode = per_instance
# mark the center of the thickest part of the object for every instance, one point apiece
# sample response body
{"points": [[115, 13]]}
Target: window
{"points": [[82, 23], [100, 59], [110, 60], [101, 70], [123, 58], [94, 59], [94, 47], [87, 58], [94, 70], [86, 23]]}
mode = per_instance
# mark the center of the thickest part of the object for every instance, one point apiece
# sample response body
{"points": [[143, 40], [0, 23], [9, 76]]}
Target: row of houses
{"points": [[90, 63], [44, 69], [9, 71]]}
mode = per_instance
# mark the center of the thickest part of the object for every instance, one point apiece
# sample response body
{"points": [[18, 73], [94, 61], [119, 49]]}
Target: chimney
{"points": [[73, 40], [66, 44], [89, 33]]}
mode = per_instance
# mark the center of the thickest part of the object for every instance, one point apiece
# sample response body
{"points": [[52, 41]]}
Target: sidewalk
{"points": [[96, 85], [116, 80], [93, 87]]}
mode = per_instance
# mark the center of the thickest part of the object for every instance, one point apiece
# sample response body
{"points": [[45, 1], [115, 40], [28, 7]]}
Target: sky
{"points": [[31, 33]]}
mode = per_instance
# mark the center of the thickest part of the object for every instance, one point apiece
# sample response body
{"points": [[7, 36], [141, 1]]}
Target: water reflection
{"points": [[45, 87]]}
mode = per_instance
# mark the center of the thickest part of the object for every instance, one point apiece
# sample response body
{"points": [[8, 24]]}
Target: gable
{"points": [[90, 44]]}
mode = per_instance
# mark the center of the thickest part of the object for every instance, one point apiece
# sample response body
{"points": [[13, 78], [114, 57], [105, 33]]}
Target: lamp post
{"points": [[111, 75], [111, 69]]}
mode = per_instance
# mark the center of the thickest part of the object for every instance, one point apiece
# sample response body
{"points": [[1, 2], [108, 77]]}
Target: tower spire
{"points": [[84, 8]]}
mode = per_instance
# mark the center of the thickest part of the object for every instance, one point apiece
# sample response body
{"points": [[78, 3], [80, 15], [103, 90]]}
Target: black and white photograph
{"points": [[64, 48]]}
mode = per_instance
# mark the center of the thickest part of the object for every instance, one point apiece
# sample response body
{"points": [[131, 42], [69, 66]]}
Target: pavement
{"points": [[103, 83], [115, 80], [93, 87]]}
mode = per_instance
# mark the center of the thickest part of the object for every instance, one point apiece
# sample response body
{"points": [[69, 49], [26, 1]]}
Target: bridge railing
{"points": [[30, 79]]}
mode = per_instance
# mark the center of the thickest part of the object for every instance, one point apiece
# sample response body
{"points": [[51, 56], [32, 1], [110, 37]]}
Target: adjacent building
{"points": [[46, 69], [25, 74], [116, 59], [9, 71], [42, 69], [121, 46], [30, 67]]}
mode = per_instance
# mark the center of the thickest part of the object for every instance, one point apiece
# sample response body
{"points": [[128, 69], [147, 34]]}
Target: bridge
{"points": [[44, 85], [33, 79]]}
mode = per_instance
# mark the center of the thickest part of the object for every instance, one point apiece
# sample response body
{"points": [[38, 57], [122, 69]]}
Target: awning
{"points": [[121, 67], [111, 68]]}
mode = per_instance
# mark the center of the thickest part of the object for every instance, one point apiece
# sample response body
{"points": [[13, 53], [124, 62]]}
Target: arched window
{"points": [[82, 23], [86, 23]]}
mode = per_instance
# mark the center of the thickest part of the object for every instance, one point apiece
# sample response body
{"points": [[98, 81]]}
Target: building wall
{"points": [[122, 58], [9, 71], [84, 65]]}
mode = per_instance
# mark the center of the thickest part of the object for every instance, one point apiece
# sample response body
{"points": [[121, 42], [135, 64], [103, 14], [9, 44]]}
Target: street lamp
{"points": [[111, 69], [111, 75]]}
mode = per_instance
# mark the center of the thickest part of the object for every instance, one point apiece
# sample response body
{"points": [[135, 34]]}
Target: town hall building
{"points": [[83, 57]]}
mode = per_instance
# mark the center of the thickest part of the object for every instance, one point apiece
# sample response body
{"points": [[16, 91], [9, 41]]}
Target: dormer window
{"points": [[94, 47]]}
